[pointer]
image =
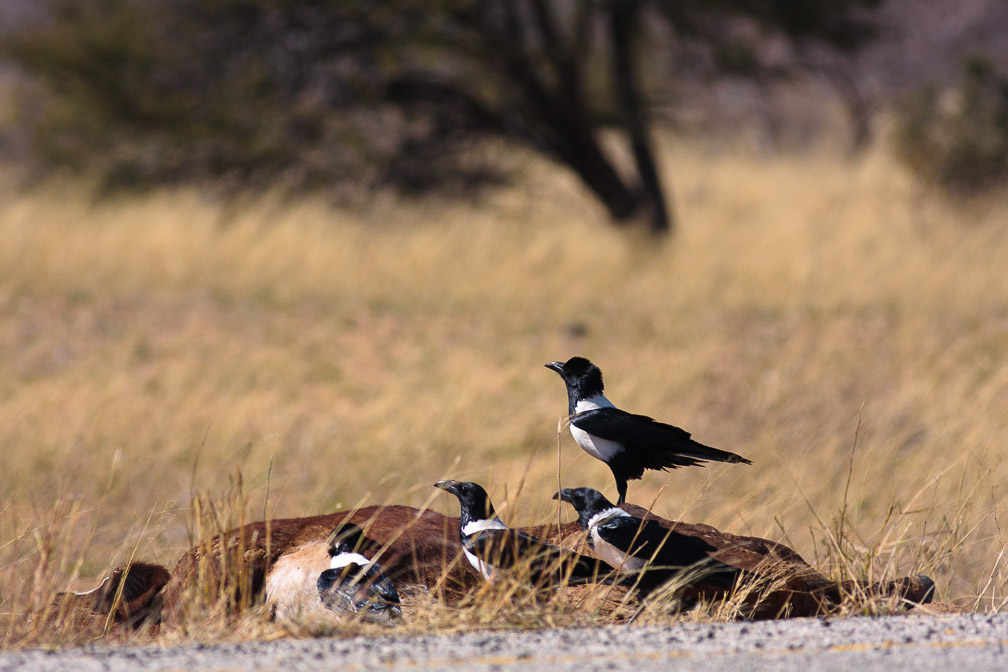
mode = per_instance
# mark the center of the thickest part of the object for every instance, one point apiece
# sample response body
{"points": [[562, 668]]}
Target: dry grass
{"points": [[150, 347]]}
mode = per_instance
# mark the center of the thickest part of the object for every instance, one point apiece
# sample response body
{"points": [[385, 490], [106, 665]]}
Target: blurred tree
{"points": [[957, 138], [311, 91]]}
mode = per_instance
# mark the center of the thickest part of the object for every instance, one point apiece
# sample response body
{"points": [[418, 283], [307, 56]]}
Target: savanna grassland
{"points": [[827, 318]]}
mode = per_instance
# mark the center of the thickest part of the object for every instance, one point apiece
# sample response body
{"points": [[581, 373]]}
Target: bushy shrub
{"points": [[957, 138]]}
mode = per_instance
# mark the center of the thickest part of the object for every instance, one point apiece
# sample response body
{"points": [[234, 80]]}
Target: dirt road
{"points": [[892, 644]]}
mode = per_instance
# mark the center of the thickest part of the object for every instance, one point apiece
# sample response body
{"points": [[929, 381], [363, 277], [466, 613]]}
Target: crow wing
{"points": [[354, 588], [335, 593], [547, 564], [380, 588], [660, 446], [667, 551], [653, 542]]}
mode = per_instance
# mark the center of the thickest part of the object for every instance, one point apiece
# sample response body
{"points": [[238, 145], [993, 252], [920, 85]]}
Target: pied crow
{"points": [[646, 549], [353, 584], [492, 547], [626, 442]]}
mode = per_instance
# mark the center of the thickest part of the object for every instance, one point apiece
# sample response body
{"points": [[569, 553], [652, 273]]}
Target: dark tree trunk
{"points": [[857, 105], [564, 128], [576, 143], [623, 20]]}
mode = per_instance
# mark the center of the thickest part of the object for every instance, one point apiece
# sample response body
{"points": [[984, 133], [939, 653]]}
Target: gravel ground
{"points": [[961, 642]]}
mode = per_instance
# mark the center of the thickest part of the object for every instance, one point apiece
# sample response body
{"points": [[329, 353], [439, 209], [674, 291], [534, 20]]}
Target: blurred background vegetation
{"points": [[354, 95]]}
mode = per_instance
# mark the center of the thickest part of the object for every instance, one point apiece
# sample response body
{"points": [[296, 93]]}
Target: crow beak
{"points": [[448, 486], [556, 366], [563, 495]]}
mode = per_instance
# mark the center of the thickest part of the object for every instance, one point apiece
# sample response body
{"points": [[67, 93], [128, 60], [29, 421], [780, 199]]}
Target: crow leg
{"points": [[621, 486]]}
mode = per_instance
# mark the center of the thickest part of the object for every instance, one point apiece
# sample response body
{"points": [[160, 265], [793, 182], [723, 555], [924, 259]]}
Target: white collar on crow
{"points": [[476, 526], [344, 559], [605, 516], [593, 402]]}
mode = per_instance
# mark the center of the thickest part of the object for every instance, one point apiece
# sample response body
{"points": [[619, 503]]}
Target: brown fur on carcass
{"points": [[791, 586], [419, 547], [423, 547], [129, 596]]}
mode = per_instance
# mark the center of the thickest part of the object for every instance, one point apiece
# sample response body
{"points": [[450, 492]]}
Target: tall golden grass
{"points": [[842, 328]]}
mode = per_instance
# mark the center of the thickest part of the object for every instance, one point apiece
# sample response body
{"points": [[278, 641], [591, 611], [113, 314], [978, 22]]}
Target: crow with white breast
{"points": [[645, 549], [626, 442]]}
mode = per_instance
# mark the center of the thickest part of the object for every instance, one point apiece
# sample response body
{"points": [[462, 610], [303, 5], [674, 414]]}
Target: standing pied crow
{"points": [[492, 547], [355, 585], [628, 443], [646, 549]]}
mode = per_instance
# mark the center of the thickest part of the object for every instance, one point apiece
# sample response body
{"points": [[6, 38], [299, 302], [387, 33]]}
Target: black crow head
{"points": [[474, 500], [349, 538], [588, 502], [583, 379]]}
